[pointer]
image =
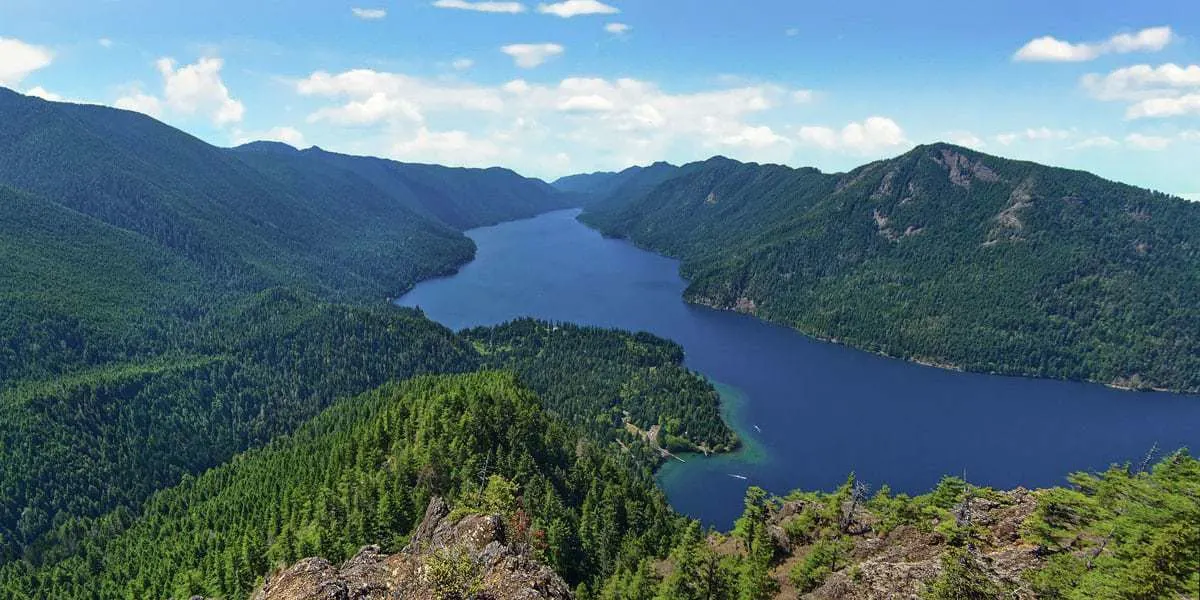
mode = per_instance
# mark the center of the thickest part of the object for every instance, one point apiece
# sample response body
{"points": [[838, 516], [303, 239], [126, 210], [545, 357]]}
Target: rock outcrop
{"points": [[447, 559]]}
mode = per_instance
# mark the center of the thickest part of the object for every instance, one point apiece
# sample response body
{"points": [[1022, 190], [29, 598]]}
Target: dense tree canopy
{"points": [[942, 255]]}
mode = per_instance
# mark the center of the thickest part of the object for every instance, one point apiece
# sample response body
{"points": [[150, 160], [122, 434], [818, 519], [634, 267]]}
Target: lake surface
{"points": [[809, 412]]}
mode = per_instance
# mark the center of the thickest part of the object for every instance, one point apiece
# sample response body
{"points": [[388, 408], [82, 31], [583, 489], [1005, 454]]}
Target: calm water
{"points": [[810, 412]]}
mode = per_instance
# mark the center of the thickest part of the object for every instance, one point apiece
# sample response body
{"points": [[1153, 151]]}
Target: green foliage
{"points": [[317, 492], [823, 558], [165, 304], [453, 574], [942, 254], [596, 377], [961, 579], [1121, 534]]}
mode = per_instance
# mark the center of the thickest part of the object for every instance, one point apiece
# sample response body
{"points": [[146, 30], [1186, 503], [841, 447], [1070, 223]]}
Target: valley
{"points": [[203, 389]]}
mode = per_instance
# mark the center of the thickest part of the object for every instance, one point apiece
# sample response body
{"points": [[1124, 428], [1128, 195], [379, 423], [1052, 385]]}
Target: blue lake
{"points": [[809, 412]]}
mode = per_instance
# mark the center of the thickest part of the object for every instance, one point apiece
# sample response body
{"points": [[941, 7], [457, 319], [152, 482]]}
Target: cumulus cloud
{"points": [[462, 64], [966, 139], [529, 56], [1147, 142], [373, 97], [456, 148], [369, 14], [1098, 141], [1039, 134], [1051, 49], [288, 135], [140, 102], [1165, 107], [1140, 82], [575, 8], [626, 120], [617, 28], [44, 94], [105, 42], [587, 103], [803, 96], [190, 90], [198, 89], [18, 59], [485, 6], [870, 135], [1168, 90], [755, 138]]}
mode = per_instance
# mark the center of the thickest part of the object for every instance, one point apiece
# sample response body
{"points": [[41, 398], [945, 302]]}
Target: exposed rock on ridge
{"points": [[464, 558]]}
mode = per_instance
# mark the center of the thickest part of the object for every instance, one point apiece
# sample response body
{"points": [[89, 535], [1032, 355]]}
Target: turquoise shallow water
{"points": [[822, 410]]}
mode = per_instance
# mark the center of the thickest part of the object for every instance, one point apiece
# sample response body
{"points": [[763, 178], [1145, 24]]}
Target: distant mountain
{"points": [[942, 255], [591, 188], [461, 198]]}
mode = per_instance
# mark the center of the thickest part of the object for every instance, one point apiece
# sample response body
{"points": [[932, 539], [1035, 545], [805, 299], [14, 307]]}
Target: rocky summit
{"points": [[449, 557]]}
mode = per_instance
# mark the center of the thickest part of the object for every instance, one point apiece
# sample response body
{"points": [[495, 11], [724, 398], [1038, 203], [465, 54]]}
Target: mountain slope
{"points": [[361, 472], [942, 255], [458, 197]]}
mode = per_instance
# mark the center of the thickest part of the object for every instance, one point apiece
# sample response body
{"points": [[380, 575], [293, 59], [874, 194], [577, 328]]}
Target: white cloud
{"points": [[575, 8], [374, 97], [791, 32], [1141, 82], [1147, 142], [189, 90], [588, 103], [140, 102], [44, 94], [1165, 107], [1098, 141], [1051, 49], [617, 28], [462, 64], [965, 138], [198, 89], [1039, 134], [803, 96], [756, 138], [529, 56], [369, 14], [872, 134], [105, 42], [454, 148], [288, 135], [18, 60], [618, 121], [488, 7], [1164, 91]]}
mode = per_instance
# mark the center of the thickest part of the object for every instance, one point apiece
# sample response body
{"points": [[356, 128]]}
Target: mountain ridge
{"points": [[942, 255]]}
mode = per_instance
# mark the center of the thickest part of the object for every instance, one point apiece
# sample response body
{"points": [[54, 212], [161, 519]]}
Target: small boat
{"points": [[758, 429], [742, 477]]}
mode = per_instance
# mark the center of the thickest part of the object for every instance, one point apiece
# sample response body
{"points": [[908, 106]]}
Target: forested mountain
{"points": [[165, 304], [363, 471], [591, 188], [942, 255], [201, 381]]}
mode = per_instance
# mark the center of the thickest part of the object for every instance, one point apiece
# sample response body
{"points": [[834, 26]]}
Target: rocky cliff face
{"points": [[468, 558]]}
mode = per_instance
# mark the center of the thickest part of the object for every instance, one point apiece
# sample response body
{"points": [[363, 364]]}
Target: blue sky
{"points": [[556, 87]]}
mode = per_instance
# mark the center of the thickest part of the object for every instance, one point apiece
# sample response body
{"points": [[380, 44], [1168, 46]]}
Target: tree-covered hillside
{"points": [[942, 255], [607, 380], [362, 472]]}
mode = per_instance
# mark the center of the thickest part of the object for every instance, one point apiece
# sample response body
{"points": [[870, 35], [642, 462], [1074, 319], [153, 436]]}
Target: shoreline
{"points": [[925, 362]]}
